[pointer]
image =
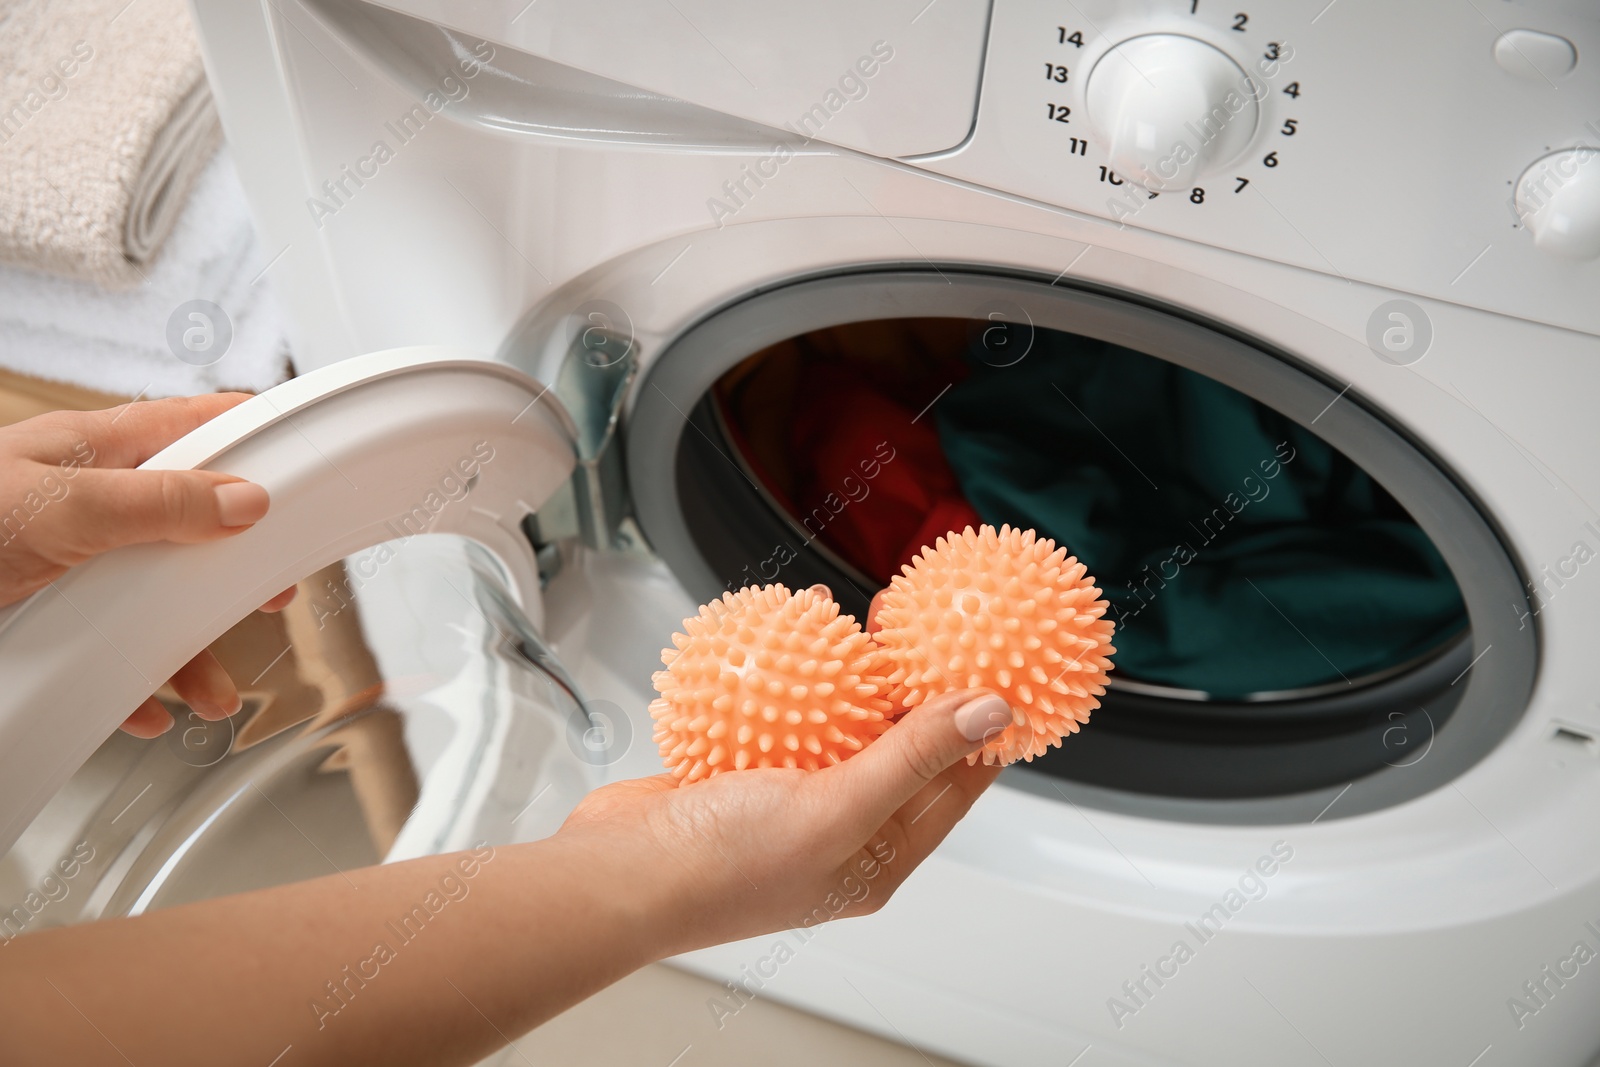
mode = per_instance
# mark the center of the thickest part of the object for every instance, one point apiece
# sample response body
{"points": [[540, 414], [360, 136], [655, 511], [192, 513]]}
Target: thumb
{"points": [[923, 744], [110, 508]]}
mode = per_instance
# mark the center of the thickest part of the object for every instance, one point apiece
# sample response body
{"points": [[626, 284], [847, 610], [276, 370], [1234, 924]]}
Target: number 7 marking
{"points": [[1242, 183]]}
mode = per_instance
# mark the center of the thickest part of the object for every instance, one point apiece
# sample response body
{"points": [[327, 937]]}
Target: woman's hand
{"points": [[67, 493], [441, 959], [754, 851]]}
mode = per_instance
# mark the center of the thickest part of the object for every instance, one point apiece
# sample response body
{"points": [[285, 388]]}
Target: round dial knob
{"points": [[1171, 108], [1558, 199]]}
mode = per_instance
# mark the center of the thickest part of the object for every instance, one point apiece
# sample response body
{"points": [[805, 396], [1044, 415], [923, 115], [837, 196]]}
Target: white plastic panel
{"points": [[769, 63], [1387, 146]]}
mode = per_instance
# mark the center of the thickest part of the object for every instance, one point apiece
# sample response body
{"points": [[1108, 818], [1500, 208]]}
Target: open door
{"points": [[372, 451]]}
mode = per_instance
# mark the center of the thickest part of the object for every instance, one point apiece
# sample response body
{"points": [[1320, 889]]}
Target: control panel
{"points": [[1419, 146]]}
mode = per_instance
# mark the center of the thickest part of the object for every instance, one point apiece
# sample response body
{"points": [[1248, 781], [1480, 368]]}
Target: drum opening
{"points": [[1302, 593]]}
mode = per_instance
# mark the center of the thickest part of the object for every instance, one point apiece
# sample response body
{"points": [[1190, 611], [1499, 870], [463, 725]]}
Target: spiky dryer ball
{"points": [[1009, 611], [768, 678]]}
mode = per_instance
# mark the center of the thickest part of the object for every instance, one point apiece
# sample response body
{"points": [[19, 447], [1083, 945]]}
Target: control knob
{"points": [[1558, 200], [1170, 108]]}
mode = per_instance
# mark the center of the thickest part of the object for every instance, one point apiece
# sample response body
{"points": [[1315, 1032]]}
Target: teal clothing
{"points": [[1240, 553]]}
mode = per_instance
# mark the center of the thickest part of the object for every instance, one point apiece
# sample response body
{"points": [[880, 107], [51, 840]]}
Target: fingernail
{"points": [[983, 717], [240, 503], [211, 711], [822, 591]]}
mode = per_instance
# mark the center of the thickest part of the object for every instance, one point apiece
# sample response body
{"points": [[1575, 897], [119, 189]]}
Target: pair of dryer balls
{"points": [[769, 678]]}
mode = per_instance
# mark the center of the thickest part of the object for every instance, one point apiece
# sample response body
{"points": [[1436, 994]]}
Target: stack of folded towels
{"points": [[116, 208]]}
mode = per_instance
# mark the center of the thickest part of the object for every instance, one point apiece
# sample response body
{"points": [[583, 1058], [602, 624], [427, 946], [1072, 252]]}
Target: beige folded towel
{"points": [[105, 122]]}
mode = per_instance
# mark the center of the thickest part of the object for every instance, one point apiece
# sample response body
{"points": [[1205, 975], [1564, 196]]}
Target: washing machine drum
{"points": [[1302, 595], [1210, 520]]}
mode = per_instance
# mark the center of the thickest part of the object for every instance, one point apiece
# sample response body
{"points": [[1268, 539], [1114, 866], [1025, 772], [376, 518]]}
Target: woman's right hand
{"points": [[755, 851]]}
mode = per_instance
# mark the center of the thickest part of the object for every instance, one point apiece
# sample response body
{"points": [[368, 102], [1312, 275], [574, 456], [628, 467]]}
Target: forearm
{"points": [[411, 963]]}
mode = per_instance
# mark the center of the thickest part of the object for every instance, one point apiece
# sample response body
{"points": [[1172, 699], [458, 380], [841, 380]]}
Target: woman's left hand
{"points": [[68, 493]]}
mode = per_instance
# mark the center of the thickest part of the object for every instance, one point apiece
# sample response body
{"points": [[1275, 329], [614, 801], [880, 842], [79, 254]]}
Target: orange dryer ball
{"points": [[768, 678], [1009, 611]]}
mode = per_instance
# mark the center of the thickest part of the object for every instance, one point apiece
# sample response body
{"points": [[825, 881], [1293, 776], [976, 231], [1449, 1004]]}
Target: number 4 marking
{"points": [[1242, 183]]}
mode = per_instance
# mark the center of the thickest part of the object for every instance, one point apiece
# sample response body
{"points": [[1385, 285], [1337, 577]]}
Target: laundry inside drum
{"points": [[1245, 559], [1277, 610]]}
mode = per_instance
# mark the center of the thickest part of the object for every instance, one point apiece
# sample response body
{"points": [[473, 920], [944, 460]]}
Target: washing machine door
{"points": [[367, 461]]}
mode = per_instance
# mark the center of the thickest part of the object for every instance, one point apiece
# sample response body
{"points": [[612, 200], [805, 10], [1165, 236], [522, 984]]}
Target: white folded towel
{"points": [[73, 331], [105, 123]]}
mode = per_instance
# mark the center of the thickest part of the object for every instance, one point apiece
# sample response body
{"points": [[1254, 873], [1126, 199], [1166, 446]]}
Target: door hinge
{"points": [[593, 507]]}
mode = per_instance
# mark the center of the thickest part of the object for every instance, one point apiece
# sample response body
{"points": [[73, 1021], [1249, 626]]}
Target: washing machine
{"points": [[1280, 315]]}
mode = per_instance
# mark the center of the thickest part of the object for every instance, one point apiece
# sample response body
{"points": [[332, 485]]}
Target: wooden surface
{"points": [[22, 397]]}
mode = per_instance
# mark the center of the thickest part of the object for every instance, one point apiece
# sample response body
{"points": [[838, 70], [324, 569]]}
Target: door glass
{"points": [[1281, 618], [400, 706]]}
